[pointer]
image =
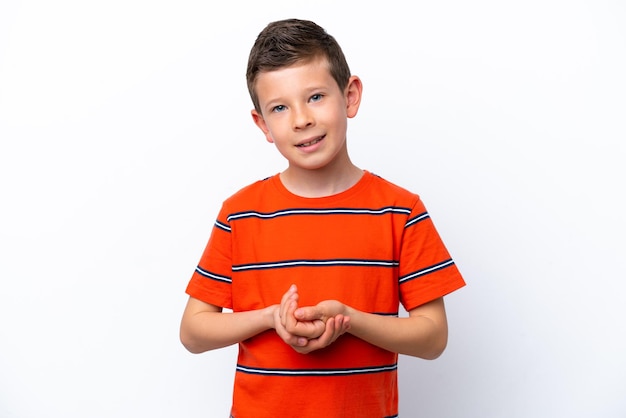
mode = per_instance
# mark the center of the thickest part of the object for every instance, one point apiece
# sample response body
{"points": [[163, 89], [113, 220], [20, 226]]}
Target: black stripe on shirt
{"points": [[316, 263], [316, 372], [425, 271], [312, 211], [213, 276]]}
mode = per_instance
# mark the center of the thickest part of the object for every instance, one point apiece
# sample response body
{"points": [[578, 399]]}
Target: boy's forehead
{"points": [[309, 72]]}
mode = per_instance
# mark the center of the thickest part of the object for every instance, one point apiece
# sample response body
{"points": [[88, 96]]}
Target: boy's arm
{"points": [[424, 333], [205, 327]]}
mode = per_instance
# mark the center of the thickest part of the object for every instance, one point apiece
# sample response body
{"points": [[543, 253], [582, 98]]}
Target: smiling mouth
{"points": [[308, 144]]}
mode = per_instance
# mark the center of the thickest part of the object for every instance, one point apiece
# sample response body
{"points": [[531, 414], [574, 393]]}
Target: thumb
{"points": [[308, 313]]}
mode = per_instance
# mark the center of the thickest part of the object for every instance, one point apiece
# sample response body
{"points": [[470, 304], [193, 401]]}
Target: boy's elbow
{"points": [[191, 347], [435, 352], [189, 342], [431, 327], [437, 347]]}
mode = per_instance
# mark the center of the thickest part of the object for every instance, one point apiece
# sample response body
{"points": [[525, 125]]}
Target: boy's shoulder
{"points": [[254, 188], [392, 192], [391, 186]]}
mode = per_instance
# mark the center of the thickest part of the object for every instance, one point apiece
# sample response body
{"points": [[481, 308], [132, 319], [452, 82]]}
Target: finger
{"points": [[337, 329], [282, 332], [334, 328], [289, 320], [309, 313], [340, 324], [285, 302], [346, 324], [288, 337], [287, 295], [301, 345], [327, 336]]}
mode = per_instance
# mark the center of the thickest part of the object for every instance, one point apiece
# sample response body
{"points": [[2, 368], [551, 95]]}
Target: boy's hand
{"points": [[310, 328], [335, 327], [306, 328], [323, 311]]}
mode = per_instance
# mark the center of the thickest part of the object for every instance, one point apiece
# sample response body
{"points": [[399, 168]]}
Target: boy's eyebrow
{"points": [[277, 101], [308, 91]]}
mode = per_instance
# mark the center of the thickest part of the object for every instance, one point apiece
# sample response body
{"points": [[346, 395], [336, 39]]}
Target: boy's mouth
{"points": [[312, 142]]}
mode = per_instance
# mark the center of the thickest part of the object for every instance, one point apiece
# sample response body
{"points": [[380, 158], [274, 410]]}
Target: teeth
{"points": [[308, 144]]}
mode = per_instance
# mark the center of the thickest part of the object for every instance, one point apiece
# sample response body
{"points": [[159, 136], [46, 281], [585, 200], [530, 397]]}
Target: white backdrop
{"points": [[124, 124]]}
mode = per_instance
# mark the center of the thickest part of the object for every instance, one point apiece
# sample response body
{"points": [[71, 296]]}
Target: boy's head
{"points": [[286, 42]]}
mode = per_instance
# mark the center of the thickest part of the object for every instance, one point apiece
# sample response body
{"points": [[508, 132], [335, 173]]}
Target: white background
{"points": [[124, 124]]}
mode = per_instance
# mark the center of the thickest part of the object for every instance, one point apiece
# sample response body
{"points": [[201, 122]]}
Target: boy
{"points": [[315, 260]]}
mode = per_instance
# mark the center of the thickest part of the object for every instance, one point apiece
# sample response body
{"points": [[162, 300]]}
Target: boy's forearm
{"points": [[206, 330], [423, 334]]}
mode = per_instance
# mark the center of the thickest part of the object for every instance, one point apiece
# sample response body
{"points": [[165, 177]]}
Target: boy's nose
{"points": [[302, 118]]}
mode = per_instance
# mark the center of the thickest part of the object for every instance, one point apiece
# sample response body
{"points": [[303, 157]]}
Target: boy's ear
{"points": [[354, 91], [260, 122]]}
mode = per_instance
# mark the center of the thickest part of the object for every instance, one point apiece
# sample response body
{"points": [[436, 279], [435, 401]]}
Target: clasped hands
{"points": [[309, 328]]}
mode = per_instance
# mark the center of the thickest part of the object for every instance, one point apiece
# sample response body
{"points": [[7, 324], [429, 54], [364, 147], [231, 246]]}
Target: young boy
{"points": [[314, 261]]}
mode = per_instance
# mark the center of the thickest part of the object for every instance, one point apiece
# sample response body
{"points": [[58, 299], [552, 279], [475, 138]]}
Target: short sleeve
{"points": [[426, 271], [211, 282]]}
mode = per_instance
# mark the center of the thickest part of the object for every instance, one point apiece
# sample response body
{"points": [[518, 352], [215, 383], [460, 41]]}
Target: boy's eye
{"points": [[316, 97], [278, 108]]}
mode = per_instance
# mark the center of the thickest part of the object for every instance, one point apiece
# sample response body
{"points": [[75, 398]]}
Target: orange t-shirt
{"points": [[371, 247]]}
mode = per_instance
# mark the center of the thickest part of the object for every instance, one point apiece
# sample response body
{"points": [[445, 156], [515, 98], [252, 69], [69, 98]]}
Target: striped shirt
{"points": [[371, 247]]}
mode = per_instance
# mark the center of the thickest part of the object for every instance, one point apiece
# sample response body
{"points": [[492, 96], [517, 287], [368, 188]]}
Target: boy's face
{"points": [[304, 113]]}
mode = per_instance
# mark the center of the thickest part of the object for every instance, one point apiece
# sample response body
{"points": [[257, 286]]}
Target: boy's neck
{"points": [[326, 181]]}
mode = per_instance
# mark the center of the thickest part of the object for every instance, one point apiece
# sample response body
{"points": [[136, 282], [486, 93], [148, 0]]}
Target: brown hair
{"points": [[286, 42]]}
